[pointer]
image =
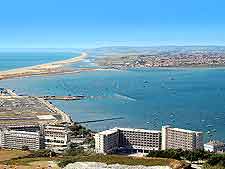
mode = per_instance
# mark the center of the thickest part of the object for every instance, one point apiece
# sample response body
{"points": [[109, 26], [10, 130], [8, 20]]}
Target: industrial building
{"points": [[176, 138], [140, 140]]}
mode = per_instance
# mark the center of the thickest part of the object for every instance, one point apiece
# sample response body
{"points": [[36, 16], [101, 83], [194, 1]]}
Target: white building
{"points": [[56, 138], [133, 139], [20, 139], [107, 141], [176, 138], [215, 146]]}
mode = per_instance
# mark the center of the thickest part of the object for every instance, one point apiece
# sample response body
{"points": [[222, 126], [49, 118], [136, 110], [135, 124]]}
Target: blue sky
{"points": [[95, 23]]}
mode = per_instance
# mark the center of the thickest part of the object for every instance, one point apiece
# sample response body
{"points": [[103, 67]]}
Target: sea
{"points": [[191, 98]]}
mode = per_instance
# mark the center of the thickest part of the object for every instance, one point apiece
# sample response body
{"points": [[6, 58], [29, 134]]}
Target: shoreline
{"points": [[42, 69]]}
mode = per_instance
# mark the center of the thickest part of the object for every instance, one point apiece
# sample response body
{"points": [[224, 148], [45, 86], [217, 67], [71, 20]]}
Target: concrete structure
{"points": [[56, 138], [215, 146], [20, 139], [107, 141], [175, 138], [133, 139]]}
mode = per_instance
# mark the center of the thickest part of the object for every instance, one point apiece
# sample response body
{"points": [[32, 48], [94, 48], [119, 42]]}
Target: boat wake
{"points": [[124, 97]]}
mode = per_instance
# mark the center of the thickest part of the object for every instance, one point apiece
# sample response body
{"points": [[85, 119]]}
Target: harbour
{"points": [[185, 102]]}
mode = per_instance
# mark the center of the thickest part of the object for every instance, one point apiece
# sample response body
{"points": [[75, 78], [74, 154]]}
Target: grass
{"points": [[18, 159], [24, 161], [10, 154], [29, 163], [206, 166]]}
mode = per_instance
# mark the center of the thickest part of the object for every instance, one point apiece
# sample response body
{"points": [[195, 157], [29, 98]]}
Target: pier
{"points": [[99, 120], [66, 98]]}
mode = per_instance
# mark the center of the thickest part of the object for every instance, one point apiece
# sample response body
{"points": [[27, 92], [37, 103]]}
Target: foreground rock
{"points": [[95, 165]]}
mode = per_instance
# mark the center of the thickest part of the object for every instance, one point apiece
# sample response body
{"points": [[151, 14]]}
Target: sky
{"points": [[96, 23]]}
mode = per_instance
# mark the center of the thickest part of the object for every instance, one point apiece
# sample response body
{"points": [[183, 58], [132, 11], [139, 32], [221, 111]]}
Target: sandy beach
{"points": [[42, 69]]}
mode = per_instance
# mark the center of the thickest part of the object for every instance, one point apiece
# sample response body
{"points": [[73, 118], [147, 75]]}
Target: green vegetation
{"points": [[91, 141], [26, 160], [38, 155], [42, 153], [10, 154], [180, 154], [207, 166], [78, 130], [77, 154], [114, 159], [216, 160], [74, 150]]}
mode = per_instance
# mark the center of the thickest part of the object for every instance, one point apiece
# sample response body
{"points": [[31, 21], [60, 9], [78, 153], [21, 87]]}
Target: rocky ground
{"points": [[95, 165]]}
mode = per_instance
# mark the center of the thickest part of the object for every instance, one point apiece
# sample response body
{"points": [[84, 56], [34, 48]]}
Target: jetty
{"points": [[99, 120], [66, 98]]}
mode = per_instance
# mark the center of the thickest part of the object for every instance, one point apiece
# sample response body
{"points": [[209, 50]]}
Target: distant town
{"points": [[165, 59]]}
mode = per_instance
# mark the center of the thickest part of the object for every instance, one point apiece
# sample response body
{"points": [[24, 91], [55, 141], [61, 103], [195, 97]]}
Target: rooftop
{"points": [[215, 143], [113, 130], [139, 130], [108, 132], [182, 130]]}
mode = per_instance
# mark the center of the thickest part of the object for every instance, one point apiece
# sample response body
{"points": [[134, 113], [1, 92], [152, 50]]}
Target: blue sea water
{"points": [[192, 98], [11, 60]]}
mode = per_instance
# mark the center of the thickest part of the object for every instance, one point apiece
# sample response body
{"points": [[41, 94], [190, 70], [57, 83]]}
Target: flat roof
{"points": [[184, 130], [139, 130], [108, 132], [113, 130]]}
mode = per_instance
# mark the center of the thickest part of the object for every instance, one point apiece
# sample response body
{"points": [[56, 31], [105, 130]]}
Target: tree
{"points": [[25, 148]]}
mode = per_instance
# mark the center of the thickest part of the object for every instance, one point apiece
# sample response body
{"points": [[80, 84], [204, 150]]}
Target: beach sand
{"points": [[42, 69]]}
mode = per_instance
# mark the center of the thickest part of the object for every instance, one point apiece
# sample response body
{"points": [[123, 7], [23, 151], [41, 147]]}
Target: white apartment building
{"points": [[215, 146], [107, 141], [140, 139], [176, 138], [20, 139], [56, 137], [135, 139]]}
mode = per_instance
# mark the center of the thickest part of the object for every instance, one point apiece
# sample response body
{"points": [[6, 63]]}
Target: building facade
{"points": [[56, 137], [139, 139], [176, 138], [107, 141], [14, 139], [215, 146], [127, 138]]}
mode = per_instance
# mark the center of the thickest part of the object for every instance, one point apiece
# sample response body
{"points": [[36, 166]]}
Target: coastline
{"points": [[42, 69]]}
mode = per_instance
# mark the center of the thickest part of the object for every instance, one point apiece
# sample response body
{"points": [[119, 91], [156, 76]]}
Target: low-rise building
{"points": [[215, 146], [176, 138], [133, 139], [56, 137]]}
